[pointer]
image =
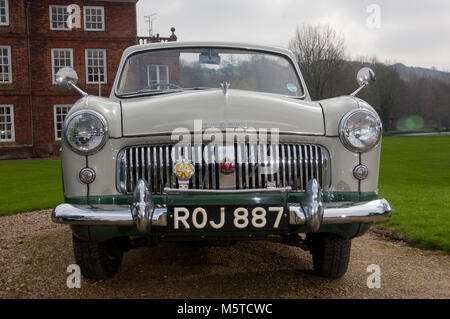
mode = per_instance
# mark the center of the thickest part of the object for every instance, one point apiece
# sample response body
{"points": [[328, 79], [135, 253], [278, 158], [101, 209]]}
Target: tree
{"points": [[320, 53]]}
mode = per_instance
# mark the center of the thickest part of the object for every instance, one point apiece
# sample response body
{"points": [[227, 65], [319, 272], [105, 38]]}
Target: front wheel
{"points": [[331, 255], [97, 260]]}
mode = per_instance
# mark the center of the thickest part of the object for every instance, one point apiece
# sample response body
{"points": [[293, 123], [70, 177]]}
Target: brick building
{"points": [[35, 42]]}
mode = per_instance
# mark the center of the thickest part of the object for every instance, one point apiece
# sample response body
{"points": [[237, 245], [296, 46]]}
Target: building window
{"points": [[95, 66], [157, 74], [60, 111], [58, 18], [61, 58], [94, 19], [6, 123], [4, 12], [5, 64]]}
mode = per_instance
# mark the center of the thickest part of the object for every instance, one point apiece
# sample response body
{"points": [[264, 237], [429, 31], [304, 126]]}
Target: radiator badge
{"points": [[227, 166], [184, 170]]}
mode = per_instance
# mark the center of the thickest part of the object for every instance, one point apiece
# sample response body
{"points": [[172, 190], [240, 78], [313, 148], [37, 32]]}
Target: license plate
{"points": [[227, 218]]}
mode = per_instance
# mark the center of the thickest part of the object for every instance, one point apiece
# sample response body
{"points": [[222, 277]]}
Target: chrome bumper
{"points": [[312, 212]]}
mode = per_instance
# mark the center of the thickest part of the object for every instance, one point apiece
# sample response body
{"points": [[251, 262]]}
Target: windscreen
{"points": [[202, 68]]}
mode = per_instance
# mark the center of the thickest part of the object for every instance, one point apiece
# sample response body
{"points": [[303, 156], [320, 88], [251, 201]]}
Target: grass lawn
{"points": [[29, 185], [415, 178]]}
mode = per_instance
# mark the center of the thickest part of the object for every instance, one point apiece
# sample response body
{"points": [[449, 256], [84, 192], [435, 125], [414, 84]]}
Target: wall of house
{"points": [[34, 106]]}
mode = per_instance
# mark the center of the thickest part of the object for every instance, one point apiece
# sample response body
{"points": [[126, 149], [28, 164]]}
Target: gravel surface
{"points": [[35, 253]]}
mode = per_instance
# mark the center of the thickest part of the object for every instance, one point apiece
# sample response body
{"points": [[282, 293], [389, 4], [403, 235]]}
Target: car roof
{"points": [[184, 44]]}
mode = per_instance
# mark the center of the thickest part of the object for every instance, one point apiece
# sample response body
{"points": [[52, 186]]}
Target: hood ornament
{"points": [[225, 87]]}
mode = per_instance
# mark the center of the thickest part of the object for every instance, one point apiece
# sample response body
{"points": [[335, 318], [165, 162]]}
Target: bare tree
{"points": [[320, 53]]}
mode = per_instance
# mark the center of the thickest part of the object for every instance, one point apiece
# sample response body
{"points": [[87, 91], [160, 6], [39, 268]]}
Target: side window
{"points": [[7, 123]]}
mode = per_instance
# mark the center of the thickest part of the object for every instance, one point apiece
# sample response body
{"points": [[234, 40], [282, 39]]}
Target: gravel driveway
{"points": [[35, 253]]}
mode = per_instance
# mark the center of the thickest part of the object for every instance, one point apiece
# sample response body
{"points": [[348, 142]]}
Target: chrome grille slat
{"points": [[311, 162], [246, 163], [294, 151], [239, 171], [252, 180], [130, 173], [306, 158], [259, 161], [283, 159], [265, 177], [288, 151], [295, 164], [168, 165], [316, 163], [213, 166], [300, 168]]}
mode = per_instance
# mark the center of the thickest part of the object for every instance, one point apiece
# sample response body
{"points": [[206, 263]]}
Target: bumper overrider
{"points": [[143, 213]]}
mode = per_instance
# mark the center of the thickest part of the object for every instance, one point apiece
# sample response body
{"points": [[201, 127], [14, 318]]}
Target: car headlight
{"points": [[360, 130], [86, 131]]}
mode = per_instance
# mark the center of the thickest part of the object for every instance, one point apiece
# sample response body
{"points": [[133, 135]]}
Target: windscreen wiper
{"points": [[153, 92]]}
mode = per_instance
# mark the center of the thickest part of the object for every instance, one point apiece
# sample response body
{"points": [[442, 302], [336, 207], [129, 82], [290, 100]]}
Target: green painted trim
{"points": [[222, 199]]}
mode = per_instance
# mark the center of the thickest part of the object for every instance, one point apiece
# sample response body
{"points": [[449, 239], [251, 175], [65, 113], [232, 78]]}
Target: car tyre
{"points": [[97, 260], [331, 255]]}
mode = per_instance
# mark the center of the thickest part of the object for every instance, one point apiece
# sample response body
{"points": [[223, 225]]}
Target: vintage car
{"points": [[217, 142]]}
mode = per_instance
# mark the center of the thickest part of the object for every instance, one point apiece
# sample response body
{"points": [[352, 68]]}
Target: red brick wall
{"points": [[17, 20], [120, 19], [120, 32]]}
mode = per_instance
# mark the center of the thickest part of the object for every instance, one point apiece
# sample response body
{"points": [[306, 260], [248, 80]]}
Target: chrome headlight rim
{"points": [[342, 126], [105, 129]]}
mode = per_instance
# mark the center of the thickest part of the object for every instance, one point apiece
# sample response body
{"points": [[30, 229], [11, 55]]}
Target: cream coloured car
{"points": [[217, 142]]}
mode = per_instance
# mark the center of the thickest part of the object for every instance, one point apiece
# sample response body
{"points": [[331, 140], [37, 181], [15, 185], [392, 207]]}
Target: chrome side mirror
{"points": [[66, 78], [364, 77]]}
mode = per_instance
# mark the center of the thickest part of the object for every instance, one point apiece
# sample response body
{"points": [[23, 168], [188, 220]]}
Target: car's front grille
{"points": [[256, 166]]}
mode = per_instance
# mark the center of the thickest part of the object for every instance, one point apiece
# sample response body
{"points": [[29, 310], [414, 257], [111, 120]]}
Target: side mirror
{"points": [[66, 78], [364, 77]]}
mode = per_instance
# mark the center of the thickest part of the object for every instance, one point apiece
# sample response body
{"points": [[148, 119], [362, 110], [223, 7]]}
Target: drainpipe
{"points": [[30, 96]]}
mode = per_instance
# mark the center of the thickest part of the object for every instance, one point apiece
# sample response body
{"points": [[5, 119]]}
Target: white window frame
{"points": [[157, 74], [50, 18], [105, 66], [53, 61], [55, 107], [6, 13], [13, 129], [103, 18], [8, 47]]}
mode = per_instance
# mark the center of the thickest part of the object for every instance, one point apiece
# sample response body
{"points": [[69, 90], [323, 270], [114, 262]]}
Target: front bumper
{"points": [[143, 213]]}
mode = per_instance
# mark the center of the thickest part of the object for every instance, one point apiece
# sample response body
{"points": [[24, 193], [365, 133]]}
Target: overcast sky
{"points": [[415, 32]]}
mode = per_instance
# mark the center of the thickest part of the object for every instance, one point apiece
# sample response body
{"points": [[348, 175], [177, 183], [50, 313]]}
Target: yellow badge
{"points": [[184, 170]]}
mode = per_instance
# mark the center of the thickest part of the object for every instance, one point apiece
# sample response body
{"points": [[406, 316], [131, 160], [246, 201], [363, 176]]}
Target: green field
{"points": [[414, 177], [29, 185]]}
